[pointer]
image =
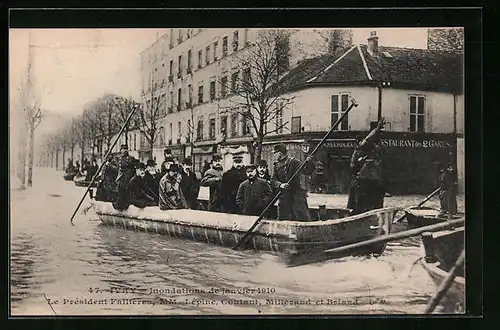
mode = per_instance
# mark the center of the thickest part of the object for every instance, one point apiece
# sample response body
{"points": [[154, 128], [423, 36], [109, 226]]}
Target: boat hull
{"points": [[424, 216], [270, 235], [80, 182], [69, 176]]}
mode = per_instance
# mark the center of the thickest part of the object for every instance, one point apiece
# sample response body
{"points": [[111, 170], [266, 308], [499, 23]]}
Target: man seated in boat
{"points": [[190, 185], [106, 188], [70, 168], [212, 179], [167, 161], [122, 200], [230, 183], [367, 188], [293, 198], [152, 179], [254, 193], [140, 194], [171, 196], [448, 194]]}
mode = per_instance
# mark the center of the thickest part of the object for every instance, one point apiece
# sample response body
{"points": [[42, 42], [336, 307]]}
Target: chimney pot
{"points": [[373, 43]]}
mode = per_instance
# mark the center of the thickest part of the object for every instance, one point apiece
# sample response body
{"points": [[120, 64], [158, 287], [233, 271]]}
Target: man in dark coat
{"points": [[293, 197], [168, 160], [230, 183], [140, 194], [190, 185], [212, 178], [124, 163], [263, 171], [448, 194], [152, 179], [253, 194], [367, 190], [106, 189], [122, 200], [91, 170], [171, 196]]}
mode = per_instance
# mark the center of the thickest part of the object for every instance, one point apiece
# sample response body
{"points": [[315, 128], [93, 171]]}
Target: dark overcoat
{"points": [[190, 186], [212, 179], [230, 183], [253, 196]]}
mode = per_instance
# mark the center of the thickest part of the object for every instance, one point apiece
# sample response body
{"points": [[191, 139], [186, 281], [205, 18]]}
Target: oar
{"points": [[445, 285], [420, 204], [261, 216], [315, 256], [102, 164]]}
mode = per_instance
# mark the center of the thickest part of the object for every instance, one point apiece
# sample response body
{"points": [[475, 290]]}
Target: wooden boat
{"points": [[81, 182], [440, 251], [70, 176], [270, 235], [425, 216]]}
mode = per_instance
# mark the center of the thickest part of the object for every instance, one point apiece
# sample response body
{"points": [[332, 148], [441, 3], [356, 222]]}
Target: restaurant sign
{"points": [[398, 143]]}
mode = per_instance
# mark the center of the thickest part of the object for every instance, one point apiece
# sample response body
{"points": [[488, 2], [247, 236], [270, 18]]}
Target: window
{"points": [[211, 127], [188, 35], [189, 131], [179, 99], [296, 124], [207, 55], [224, 47], [223, 86], [171, 75], [135, 141], [234, 81], [200, 93], [200, 59], [246, 125], [190, 95], [223, 125], [179, 39], [215, 50], [189, 62], [417, 113], [279, 119], [245, 38], [246, 78], [338, 108], [179, 73], [235, 41], [163, 104], [171, 107], [171, 45], [160, 140], [234, 124], [170, 134], [179, 132], [199, 129], [212, 90]]}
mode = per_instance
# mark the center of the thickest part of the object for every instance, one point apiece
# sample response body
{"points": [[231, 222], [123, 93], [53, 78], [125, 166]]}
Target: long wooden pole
{"points": [[261, 216], [420, 204], [102, 163], [445, 285], [293, 259]]}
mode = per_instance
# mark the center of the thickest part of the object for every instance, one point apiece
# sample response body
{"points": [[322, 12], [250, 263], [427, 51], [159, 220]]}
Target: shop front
{"points": [[201, 154], [228, 151], [412, 161]]}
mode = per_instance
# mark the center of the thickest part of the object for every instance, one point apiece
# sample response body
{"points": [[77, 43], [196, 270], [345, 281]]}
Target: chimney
{"points": [[373, 44]]}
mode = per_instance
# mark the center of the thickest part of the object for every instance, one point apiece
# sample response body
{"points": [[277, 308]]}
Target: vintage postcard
{"points": [[227, 171]]}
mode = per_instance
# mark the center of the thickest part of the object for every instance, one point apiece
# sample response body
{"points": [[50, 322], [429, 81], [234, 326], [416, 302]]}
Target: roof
{"points": [[403, 68]]}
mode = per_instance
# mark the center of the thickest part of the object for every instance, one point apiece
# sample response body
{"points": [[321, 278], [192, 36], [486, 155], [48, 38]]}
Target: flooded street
{"points": [[90, 269]]}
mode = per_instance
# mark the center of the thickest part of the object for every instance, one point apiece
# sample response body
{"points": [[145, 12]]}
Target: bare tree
{"points": [[446, 39], [123, 107], [149, 116], [257, 96]]}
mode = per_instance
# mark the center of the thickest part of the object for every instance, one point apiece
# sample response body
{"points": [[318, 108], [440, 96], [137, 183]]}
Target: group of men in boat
{"points": [[88, 169], [247, 188]]}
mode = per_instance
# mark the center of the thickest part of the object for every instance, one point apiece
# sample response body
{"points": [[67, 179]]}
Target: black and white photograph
{"points": [[237, 171]]}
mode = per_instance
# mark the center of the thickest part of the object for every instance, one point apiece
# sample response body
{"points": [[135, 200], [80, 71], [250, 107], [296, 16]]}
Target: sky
{"points": [[72, 67]]}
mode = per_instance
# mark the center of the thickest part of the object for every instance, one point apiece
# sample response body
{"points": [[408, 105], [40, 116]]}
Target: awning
{"points": [[203, 150], [234, 149]]}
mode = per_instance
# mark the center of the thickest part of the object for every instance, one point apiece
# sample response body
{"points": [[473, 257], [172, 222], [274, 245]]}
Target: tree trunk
{"points": [[82, 153], [72, 152], [31, 146], [57, 158], [151, 147]]}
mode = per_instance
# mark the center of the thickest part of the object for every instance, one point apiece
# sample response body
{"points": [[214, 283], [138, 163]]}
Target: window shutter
{"points": [[334, 109], [428, 115]]}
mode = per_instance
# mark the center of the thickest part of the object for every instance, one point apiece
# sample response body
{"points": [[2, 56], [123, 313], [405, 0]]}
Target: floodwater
{"points": [[89, 269]]}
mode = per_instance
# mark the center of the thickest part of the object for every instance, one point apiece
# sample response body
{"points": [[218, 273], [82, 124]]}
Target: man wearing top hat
{"points": [[152, 178], [190, 185], [254, 193], [140, 194], [230, 183], [293, 198], [171, 196], [212, 179]]}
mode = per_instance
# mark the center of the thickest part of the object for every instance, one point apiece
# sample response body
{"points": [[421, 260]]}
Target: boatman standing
{"points": [[230, 183], [367, 190], [212, 179], [124, 164], [122, 200], [293, 199], [254, 193], [106, 188], [448, 194]]}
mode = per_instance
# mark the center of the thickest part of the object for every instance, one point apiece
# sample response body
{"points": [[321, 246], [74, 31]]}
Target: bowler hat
{"points": [[174, 168], [167, 151], [150, 162], [250, 167], [216, 157], [187, 161], [262, 162], [238, 157], [140, 165]]}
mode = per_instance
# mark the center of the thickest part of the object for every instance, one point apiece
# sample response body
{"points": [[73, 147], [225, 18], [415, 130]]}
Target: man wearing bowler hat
{"points": [[140, 194], [212, 179], [152, 178], [190, 185], [254, 193], [168, 160], [230, 183], [293, 197], [171, 196]]}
